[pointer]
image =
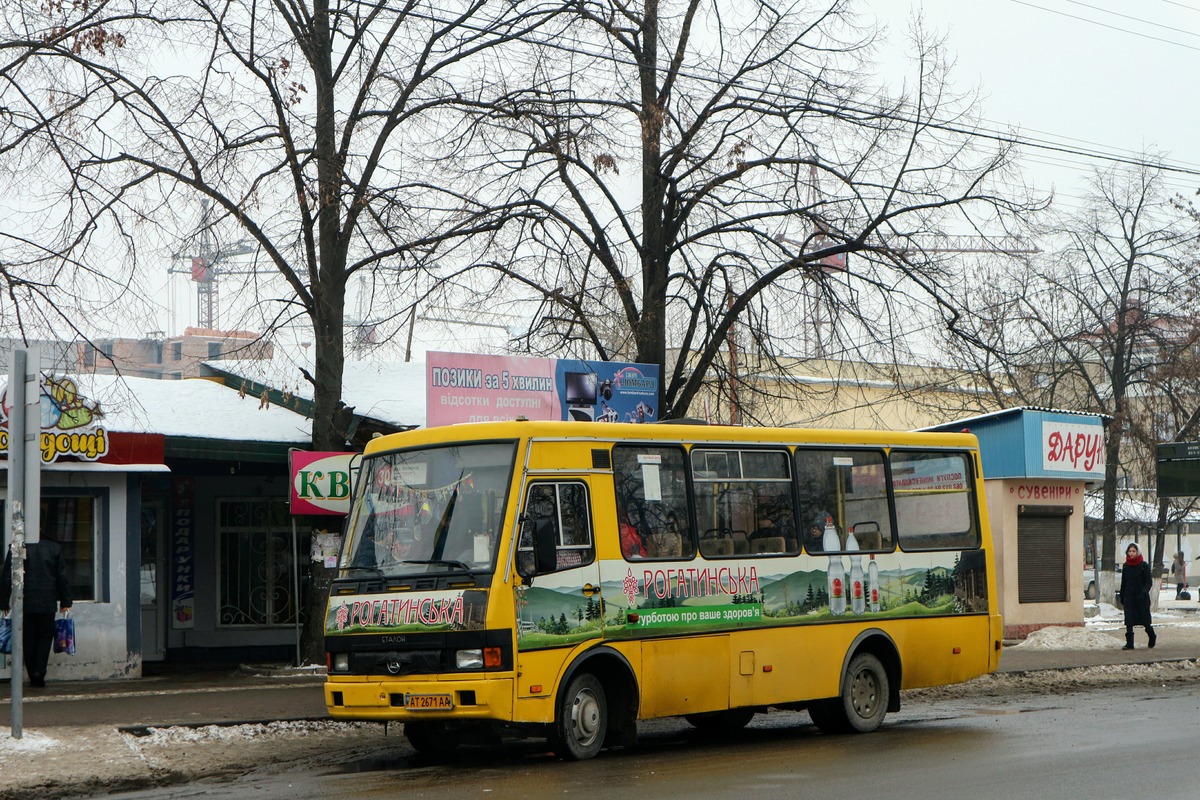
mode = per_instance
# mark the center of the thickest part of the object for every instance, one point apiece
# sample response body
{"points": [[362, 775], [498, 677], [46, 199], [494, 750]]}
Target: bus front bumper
{"points": [[373, 699]]}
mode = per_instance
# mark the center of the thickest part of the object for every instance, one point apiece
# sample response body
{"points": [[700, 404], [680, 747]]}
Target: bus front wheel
{"points": [[863, 702], [582, 720], [432, 738]]}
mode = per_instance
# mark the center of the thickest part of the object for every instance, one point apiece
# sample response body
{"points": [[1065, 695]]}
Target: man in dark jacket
{"points": [[46, 591]]}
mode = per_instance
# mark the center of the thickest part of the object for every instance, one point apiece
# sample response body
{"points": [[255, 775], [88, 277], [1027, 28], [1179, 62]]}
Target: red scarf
{"points": [[1133, 561]]}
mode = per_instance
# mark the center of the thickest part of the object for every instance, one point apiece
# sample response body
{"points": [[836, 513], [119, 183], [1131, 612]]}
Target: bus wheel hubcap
{"points": [[864, 693], [585, 717]]}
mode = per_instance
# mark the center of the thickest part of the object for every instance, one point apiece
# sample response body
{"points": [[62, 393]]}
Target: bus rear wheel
{"points": [[721, 721], [863, 702], [828, 716], [582, 720], [432, 738]]}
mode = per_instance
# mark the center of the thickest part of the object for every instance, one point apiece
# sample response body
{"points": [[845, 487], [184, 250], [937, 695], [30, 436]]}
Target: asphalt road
{"points": [[1111, 743]]}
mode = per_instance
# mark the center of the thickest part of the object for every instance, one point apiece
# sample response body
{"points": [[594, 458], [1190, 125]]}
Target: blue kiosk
{"points": [[1037, 465]]}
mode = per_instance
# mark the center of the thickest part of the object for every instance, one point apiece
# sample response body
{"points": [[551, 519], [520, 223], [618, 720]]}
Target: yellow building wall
{"points": [[819, 393]]}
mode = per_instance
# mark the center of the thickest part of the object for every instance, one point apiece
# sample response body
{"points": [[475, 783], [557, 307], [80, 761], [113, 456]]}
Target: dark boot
{"points": [[1128, 639], [1153, 637]]}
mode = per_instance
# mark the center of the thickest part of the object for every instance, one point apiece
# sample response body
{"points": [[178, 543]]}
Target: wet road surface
{"points": [[1108, 743]]}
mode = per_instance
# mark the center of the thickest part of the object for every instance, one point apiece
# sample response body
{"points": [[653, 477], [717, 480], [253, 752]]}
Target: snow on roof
{"points": [[198, 408], [1013, 410], [1130, 510], [389, 392]]}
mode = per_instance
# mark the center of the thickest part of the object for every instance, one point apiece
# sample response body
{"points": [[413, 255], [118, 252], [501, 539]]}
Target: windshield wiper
{"points": [[376, 570], [446, 561]]}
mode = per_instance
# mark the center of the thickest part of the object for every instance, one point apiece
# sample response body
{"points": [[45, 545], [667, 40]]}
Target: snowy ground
{"points": [[1181, 615], [91, 761]]}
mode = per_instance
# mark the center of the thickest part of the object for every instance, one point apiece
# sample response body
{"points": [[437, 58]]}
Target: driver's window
{"points": [[565, 506]]}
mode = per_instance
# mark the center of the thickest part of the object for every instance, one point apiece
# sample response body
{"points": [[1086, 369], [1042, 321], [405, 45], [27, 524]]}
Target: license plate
{"points": [[439, 702]]}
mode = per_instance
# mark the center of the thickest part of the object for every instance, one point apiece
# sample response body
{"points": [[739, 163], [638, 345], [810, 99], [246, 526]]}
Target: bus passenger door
{"points": [[558, 603]]}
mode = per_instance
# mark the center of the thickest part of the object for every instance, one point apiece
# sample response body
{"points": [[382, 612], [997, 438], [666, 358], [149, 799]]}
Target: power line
{"points": [[1184, 6], [1138, 20], [836, 105], [1105, 25]]}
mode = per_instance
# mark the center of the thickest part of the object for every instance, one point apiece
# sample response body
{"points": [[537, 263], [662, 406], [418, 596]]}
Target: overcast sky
{"points": [[1081, 77], [1108, 76]]}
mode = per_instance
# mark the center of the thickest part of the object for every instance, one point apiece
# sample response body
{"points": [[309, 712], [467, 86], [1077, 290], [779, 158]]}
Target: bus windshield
{"points": [[429, 510]]}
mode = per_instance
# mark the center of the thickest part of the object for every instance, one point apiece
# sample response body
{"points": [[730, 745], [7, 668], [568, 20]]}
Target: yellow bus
{"points": [[567, 579]]}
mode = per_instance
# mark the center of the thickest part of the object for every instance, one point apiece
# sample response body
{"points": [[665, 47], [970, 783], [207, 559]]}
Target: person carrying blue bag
{"points": [[47, 591]]}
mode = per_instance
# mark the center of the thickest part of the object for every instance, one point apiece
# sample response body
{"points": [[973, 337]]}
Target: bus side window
{"points": [[653, 516], [744, 501], [561, 512], [845, 489], [935, 508]]}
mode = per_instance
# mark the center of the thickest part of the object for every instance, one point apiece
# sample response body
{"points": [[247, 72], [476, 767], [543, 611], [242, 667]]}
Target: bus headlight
{"points": [[469, 659], [341, 662]]}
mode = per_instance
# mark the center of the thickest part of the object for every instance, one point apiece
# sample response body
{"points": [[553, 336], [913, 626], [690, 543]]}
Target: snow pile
{"points": [[1069, 638], [30, 742], [257, 730]]}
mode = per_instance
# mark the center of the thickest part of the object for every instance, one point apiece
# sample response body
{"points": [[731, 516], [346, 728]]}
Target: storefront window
{"points": [[74, 522], [256, 563]]}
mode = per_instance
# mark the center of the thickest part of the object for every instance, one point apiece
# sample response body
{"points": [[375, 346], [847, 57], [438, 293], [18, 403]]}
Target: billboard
{"points": [[461, 387], [1178, 468], [607, 391]]}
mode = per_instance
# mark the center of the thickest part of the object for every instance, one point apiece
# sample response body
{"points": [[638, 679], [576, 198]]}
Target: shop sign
{"points": [[183, 554], [68, 423], [320, 482], [1068, 447], [1044, 493]]}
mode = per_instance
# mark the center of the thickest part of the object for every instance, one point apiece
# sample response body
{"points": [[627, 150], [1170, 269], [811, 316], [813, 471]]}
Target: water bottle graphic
{"points": [[858, 596], [837, 569], [873, 584]]}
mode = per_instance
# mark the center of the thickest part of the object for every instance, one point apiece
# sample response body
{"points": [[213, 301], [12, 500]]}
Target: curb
{"points": [[281, 671], [148, 729], [1071, 667]]}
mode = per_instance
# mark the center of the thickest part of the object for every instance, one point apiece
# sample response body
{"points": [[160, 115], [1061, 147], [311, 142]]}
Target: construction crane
{"points": [[206, 265], [821, 317], [973, 243]]}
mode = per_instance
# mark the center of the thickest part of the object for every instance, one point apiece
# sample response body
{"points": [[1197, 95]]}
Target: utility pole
{"points": [[735, 407], [24, 492]]}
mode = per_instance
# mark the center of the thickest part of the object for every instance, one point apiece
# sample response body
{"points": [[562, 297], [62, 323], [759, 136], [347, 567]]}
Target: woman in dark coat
{"points": [[1135, 596]]}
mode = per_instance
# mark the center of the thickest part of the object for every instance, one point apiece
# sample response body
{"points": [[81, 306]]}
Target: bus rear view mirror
{"points": [[544, 558], [545, 545]]}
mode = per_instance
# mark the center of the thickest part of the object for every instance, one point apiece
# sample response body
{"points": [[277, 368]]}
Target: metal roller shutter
{"points": [[1042, 559]]}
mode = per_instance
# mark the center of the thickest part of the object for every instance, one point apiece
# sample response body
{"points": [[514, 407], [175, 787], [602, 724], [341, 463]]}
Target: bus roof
{"points": [[660, 431]]}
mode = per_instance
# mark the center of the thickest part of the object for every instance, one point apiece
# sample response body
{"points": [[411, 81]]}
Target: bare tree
{"points": [[683, 175], [1104, 322], [303, 124], [54, 275], [1169, 411]]}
